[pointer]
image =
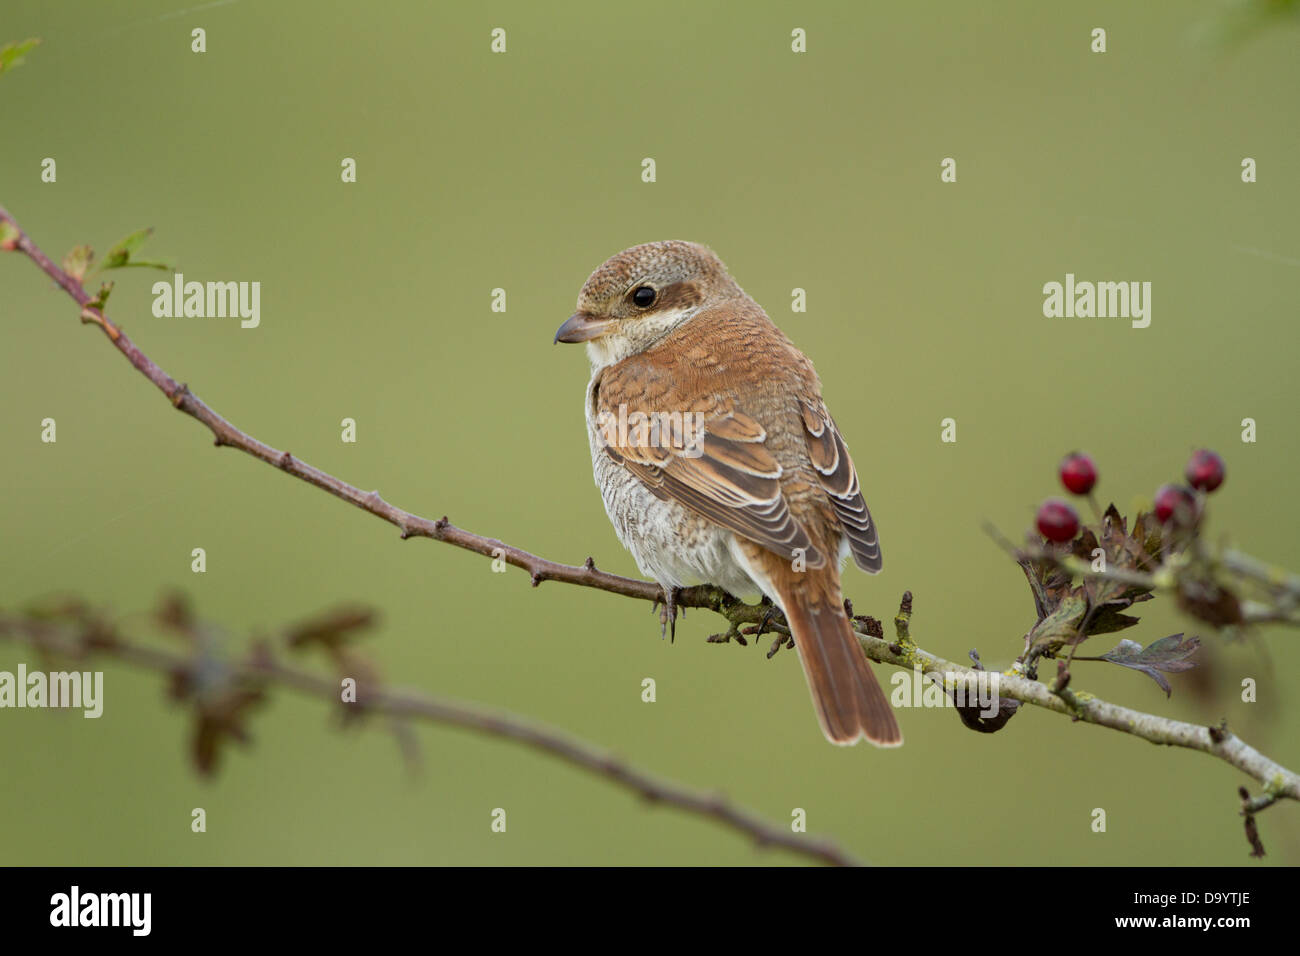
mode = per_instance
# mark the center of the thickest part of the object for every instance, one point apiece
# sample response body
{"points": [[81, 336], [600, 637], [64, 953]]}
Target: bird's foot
{"points": [[771, 616], [668, 612], [733, 633], [782, 640]]}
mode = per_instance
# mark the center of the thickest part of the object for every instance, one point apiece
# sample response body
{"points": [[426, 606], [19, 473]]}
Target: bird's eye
{"points": [[643, 297]]}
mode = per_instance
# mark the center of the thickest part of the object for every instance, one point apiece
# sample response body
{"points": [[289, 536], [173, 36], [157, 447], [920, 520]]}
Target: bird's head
{"points": [[643, 293]]}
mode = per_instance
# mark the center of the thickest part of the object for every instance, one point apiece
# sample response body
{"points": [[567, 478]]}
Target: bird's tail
{"points": [[849, 700]]}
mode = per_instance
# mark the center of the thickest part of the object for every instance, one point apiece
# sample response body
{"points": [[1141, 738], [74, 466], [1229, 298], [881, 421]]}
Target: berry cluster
{"points": [[1059, 522]]}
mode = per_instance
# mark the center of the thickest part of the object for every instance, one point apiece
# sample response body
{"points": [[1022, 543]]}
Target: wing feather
{"points": [[838, 477], [718, 462], [720, 469], [731, 481]]}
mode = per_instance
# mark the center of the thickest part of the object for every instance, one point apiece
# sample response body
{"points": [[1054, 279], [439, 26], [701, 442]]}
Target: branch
{"points": [[260, 668], [1283, 587], [1080, 706], [1277, 780], [1217, 741], [228, 435]]}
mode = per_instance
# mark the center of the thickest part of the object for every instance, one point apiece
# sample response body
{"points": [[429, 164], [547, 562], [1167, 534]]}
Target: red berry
{"points": [[9, 245], [1173, 500], [1078, 473], [1205, 470], [1057, 521]]}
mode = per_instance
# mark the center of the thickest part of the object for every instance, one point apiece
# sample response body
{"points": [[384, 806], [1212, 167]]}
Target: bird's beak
{"points": [[581, 327]]}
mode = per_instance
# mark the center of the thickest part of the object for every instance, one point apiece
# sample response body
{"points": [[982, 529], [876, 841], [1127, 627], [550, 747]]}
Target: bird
{"points": [[719, 463]]}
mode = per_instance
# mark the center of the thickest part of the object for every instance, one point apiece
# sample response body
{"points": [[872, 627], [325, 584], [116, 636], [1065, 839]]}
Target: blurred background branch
{"points": [[223, 691]]}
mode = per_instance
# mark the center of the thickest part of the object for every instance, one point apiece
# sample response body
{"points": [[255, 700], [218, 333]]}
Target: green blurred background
{"points": [[522, 171]]}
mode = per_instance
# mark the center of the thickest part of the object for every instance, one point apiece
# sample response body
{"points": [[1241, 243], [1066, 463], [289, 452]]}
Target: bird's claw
{"points": [[668, 612], [741, 635], [764, 626], [770, 615]]}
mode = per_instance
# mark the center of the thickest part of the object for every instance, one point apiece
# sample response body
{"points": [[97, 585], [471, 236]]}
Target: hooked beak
{"points": [[581, 327]]}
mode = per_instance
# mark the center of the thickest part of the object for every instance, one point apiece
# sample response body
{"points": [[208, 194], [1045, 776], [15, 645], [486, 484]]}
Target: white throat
{"points": [[634, 336]]}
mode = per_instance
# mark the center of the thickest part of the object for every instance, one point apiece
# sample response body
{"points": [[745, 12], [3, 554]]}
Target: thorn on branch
{"points": [[1248, 807], [1061, 688], [1252, 836], [901, 622], [90, 315], [1062, 677], [589, 564]]}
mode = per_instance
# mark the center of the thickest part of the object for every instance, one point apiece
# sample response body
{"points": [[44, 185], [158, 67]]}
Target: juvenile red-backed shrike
{"points": [[720, 464]]}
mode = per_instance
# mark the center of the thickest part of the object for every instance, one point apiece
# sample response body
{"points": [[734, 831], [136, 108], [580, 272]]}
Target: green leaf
{"points": [[11, 54], [1061, 626], [120, 254], [101, 297], [1047, 580], [77, 262], [119, 257], [147, 264], [1171, 654]]}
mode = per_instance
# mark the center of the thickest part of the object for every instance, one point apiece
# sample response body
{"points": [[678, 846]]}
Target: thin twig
{"points": [[1277, 780], [48, 638], [410, 525]]}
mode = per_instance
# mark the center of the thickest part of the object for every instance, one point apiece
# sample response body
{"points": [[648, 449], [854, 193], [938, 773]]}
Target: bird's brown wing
{"points": [[751, 467], [726, 475], [838, 477], [716, 464]]}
